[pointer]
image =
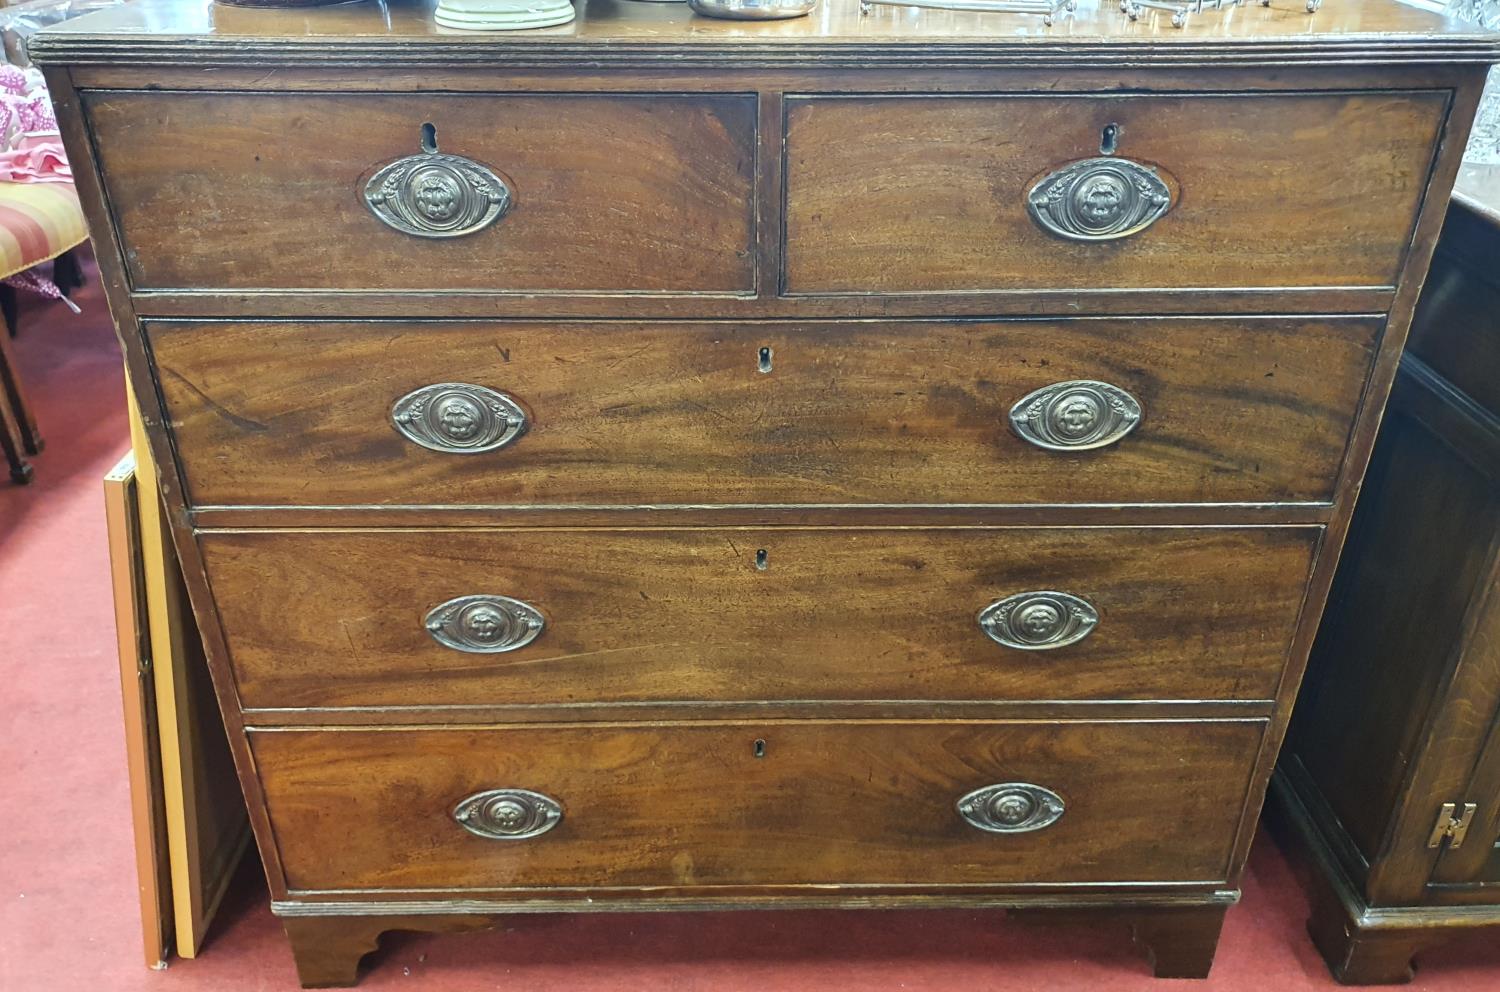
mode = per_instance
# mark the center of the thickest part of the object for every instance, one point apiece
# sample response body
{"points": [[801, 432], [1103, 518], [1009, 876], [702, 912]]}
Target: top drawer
{"points": [[603, 192], [935, 194]]}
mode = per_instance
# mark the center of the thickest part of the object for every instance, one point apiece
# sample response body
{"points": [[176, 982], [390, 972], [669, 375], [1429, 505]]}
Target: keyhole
{"points": [[1109, 139], [765, 360], [429, 138], [762, 561], [759, 750]]}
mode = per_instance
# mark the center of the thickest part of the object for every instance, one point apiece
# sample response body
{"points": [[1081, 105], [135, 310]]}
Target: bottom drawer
{"points": [[777, 803]]}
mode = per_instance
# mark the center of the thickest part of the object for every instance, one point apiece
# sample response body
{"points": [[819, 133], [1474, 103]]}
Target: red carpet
{"points": [[68, 917]]}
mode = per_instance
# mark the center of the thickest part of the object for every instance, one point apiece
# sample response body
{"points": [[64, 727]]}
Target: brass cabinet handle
{"points": [[433, 195], [459, 418], [1011, 808], [485, 624], [1075, 416], [1099, 199], [1039, 621], [508, 814]]}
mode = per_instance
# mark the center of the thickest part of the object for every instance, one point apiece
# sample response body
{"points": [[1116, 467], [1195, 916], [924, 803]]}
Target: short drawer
{"points": [[768, 804], [371, 618], [1213, 410], [996, 193], [648, 193]]}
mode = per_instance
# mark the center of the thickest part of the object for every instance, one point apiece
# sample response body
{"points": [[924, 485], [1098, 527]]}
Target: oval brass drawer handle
{"points": [[1075, 416], [485, 624], [459, 418], [433, 195], [1011, 808], [508, 814], [1099, 199], [1039, 621]]}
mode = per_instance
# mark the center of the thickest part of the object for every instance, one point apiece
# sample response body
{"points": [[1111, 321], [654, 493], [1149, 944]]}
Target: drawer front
{"points": [[821, 413], [644, 193], [379, 618], [824, 804], [936, 194]]}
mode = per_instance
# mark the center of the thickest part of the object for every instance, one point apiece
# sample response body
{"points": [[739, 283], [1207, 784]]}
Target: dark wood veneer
{"points": [[848, 413], [686, 615], [849, 803], [642, 193], [965, 165]]}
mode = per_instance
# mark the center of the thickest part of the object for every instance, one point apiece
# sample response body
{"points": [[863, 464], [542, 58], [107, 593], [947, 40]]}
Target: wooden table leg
{"points": [[11, 444], [15, 395]]}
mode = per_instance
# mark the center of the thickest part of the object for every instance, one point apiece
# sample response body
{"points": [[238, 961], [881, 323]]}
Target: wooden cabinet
{"points": [[889, 460], [1391, 776]]}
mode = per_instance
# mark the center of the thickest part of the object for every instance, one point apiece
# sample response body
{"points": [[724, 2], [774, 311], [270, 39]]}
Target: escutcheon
{"points": [[1039, 621], [485, 624], [433, 195], [1099, 199], [458, 418], [1075, 416], [1011, 808], [508, 814]]}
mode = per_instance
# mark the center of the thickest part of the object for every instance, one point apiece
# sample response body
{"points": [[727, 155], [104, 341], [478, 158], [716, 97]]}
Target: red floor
{"points": [[68, 917]]}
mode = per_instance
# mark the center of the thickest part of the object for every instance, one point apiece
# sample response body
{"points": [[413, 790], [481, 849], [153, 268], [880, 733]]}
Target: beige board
{"points": [[202, 810], [142, 752]]}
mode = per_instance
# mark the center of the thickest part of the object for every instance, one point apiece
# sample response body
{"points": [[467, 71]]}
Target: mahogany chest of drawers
{"points": [[868, 461]]}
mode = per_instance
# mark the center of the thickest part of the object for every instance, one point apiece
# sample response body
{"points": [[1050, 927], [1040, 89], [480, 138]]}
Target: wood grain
{"points": [[902, 195], [687, 615], [828, 804], [612, 192], [1470, 724], [1391, 623], [886, 412]]}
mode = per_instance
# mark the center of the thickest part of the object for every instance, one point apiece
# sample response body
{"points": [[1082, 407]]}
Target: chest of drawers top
{"points": [[612, 34]]}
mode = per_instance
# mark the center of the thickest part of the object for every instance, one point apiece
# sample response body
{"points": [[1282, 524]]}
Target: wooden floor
{"points": [[67, 900]]}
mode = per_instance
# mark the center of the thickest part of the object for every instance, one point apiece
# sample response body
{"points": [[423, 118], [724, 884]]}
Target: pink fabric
{"points": [[34, 282], [32, 150], [36, 158], [13, 80]]}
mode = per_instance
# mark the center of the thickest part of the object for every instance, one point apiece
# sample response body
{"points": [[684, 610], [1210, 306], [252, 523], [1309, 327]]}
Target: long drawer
{"points": [[1037, 412], [1201, 191], [416, 617], [767, 804], [642, 193]]}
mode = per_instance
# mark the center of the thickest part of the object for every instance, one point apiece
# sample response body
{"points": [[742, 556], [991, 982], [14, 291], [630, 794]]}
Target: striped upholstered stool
{"points": [[38, 221]]}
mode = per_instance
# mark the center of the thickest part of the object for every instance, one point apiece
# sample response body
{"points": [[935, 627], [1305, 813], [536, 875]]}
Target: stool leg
{"points": [[15, 395], [10, 443], [9, 309], [66, 272]]}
